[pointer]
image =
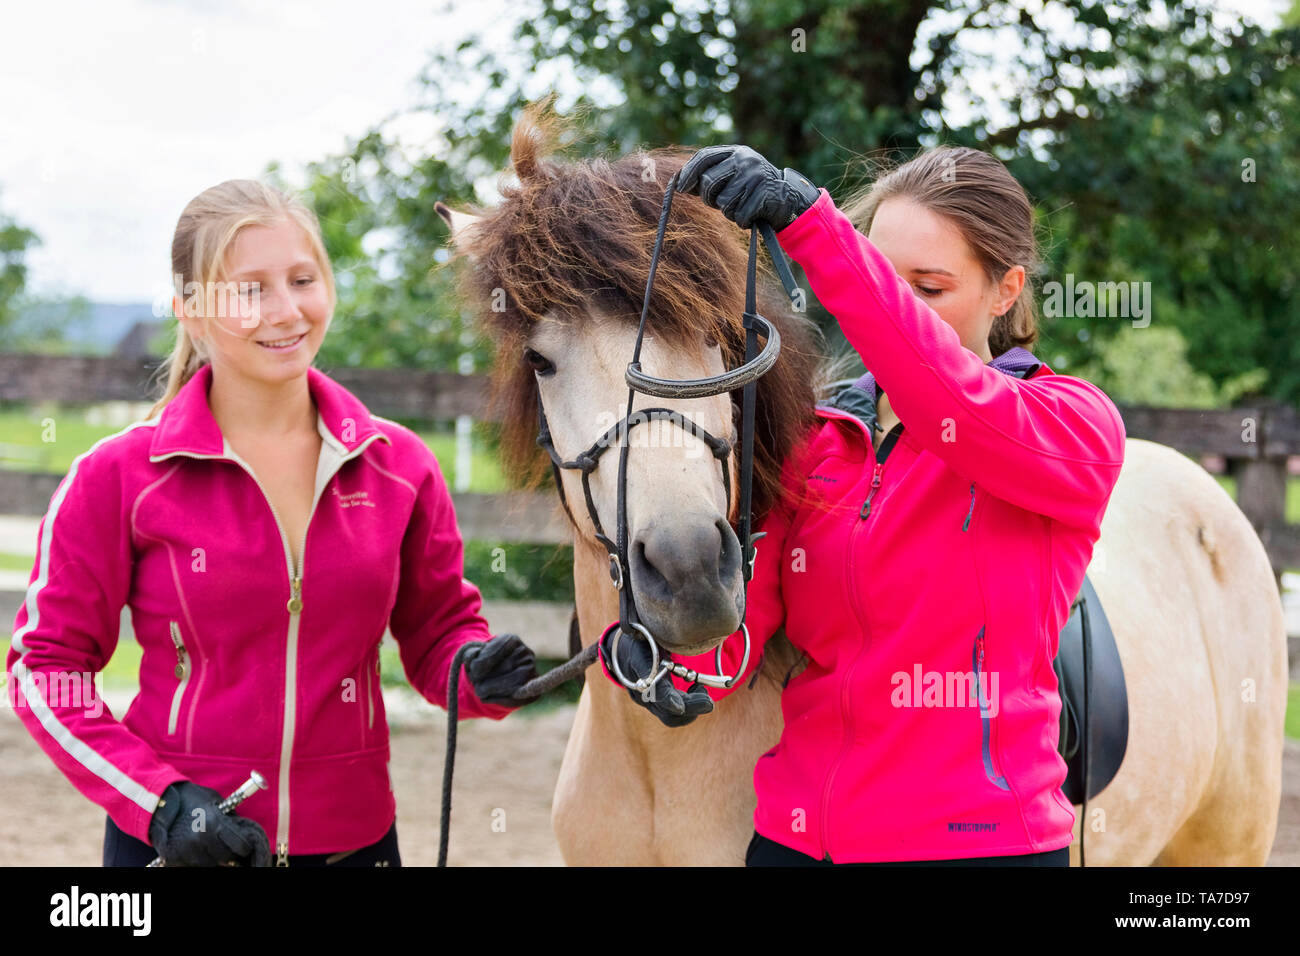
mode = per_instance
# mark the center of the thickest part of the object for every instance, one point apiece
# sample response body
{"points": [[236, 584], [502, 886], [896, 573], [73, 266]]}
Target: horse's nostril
{"points": [[729, 553], [654, 579]]}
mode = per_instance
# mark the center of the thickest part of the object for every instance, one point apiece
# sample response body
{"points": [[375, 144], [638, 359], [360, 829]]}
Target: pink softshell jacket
{"points": [[927, 590], [249, 663]]}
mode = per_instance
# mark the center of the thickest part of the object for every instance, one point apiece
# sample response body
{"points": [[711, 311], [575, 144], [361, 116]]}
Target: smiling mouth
{"points": [[283, 343]]}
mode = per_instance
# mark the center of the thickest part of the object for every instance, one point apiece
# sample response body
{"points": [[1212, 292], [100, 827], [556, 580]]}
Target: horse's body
{"points": [[1182, 576], [1190, 595]]}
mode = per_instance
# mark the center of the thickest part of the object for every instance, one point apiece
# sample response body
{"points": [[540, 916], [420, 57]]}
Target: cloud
{"points": [[116, 115]]}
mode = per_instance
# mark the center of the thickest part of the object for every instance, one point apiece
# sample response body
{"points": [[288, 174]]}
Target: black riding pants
{"points": [[122, 849], [765, 852]]}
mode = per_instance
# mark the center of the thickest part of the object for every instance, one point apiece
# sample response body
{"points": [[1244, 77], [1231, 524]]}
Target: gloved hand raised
{"points": [[188, 829], [745, 187], [499, 668], [671, 706]]}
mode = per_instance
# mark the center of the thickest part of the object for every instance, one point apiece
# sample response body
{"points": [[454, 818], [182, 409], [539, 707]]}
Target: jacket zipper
{"points": [[846, 711], [182, 675], [363, 691], [977, 662], [977, 665], [373, 690], [875, 483], [294, 607]]}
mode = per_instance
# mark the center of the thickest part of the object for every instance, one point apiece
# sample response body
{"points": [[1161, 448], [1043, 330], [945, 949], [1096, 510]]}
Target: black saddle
{"points": [[1102, 701]]}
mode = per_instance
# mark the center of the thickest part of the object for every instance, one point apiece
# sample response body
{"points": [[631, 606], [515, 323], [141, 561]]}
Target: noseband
{"points": [[757, 362]]}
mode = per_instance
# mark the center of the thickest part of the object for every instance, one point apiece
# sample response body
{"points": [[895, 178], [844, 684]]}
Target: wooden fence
{"points": [[1253, 441]]}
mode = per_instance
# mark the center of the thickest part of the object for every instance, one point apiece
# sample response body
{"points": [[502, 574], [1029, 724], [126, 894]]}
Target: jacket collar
{"points": [[187, 426], [859, 399]]}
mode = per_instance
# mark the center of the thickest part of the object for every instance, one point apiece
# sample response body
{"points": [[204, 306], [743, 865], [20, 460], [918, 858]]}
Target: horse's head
{"points": [[558, 271]]}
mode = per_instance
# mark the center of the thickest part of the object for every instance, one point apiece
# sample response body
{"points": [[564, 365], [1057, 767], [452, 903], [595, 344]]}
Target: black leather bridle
{"points": [[757, 362]]}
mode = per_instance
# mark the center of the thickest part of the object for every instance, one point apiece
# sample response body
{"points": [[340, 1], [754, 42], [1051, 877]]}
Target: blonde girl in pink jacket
{"points": [[264, 529]]}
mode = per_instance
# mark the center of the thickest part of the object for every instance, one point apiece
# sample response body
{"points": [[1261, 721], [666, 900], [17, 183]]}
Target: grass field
{"points": [[15, 562], [23, 431]]}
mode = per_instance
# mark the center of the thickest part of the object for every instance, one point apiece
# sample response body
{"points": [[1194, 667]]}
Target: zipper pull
{"points": [[979, 672], [180, 651], [295, 602], [875, 483], [282, 855], [966, 524]]}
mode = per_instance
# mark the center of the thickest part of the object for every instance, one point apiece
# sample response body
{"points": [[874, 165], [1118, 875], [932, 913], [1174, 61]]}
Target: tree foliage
{"points": [[15, 241], [1156, 139]]}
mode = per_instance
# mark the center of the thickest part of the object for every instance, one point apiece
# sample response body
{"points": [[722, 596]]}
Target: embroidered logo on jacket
{"points": [[353, 499]]}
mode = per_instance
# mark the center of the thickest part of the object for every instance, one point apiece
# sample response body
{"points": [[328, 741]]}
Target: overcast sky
{"points": [[115, 113]]}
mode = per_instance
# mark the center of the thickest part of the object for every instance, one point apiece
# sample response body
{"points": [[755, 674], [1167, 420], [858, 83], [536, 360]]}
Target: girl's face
{"points": [[271, 327], [929, 252]]}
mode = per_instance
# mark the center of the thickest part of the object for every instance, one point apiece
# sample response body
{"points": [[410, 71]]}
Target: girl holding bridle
{"points": [[948, 506]]}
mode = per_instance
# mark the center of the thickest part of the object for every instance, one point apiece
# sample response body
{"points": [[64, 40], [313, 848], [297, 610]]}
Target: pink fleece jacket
{"points": [[248, 663], [926, 591]]}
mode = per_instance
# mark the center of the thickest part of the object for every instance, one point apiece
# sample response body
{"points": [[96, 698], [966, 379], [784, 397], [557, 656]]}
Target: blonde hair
{"points": [[206, 228], [978, 195]]}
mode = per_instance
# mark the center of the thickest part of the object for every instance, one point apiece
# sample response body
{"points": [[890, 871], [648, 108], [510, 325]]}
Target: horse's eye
{"points": [[539, 362], [710, 342]]}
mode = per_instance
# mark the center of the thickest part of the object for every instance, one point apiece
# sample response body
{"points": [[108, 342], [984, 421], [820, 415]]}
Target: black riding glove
{"points": [[499, 668], [187, 829], [745, 187], [665, 701]]}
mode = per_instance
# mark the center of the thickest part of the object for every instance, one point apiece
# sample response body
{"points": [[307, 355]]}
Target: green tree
{"points": [[1130, 123], [396, 306], [1186, 177], [15, 240], [1149, 366]]}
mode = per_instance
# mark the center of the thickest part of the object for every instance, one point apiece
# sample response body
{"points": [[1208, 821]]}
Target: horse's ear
{"points": [[456, 221]]}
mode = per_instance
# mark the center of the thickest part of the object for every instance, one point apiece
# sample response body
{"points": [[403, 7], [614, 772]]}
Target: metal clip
{"points": [[753, 554]]}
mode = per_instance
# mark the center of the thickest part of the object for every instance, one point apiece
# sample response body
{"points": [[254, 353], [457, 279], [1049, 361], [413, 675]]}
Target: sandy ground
{"points": [[501, 810], [505, 774]]}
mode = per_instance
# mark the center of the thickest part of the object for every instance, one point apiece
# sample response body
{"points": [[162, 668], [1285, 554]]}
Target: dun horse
{"points": [[558, 270]]}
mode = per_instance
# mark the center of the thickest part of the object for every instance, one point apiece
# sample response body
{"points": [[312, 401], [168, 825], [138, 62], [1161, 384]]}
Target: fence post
{"points": [[1261, 483], [464, 434]]}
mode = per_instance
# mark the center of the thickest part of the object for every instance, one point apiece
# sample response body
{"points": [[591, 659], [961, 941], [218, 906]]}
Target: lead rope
{"points": [[552, 679]]}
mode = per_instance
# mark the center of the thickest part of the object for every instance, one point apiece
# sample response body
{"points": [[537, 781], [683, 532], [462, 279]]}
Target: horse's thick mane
{"points": [[573, 236]]}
